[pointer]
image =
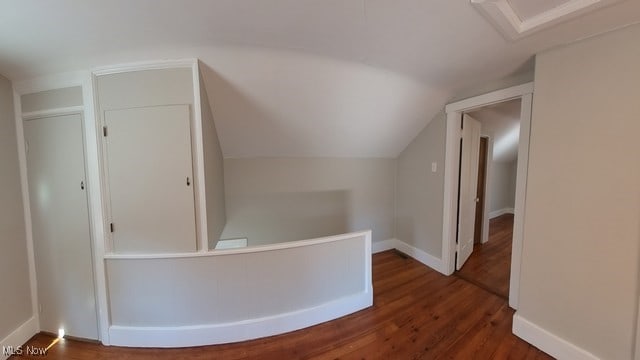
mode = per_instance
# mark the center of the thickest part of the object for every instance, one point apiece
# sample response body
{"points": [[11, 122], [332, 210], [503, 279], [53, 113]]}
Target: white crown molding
{"points": [[502, 15]]}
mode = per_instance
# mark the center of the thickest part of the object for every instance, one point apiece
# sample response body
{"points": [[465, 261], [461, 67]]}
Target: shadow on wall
{"points": [[281, 103], [273, 217], [229, 102], [280, 217]]}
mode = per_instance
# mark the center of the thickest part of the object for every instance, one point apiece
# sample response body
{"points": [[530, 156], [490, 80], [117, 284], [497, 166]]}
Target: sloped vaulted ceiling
{"points": [[348, 78]]}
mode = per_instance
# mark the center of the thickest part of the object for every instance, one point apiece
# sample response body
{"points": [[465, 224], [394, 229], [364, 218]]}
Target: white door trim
{"points": [[22, 159], [52, 82], [452, 154], [96, 208], [196, 136]]}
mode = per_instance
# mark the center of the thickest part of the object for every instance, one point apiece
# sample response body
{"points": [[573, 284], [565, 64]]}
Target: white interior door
{"points": [[469, 157], [60, 222], [150, 179]]}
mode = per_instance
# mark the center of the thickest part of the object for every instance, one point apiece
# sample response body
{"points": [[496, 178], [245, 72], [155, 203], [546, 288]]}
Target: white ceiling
{"points": [[349, 78], [502, 123]]}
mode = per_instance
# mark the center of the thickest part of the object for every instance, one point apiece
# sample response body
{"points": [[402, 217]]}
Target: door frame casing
{"points": [[52, 82], [196, 139], [451, 173]]}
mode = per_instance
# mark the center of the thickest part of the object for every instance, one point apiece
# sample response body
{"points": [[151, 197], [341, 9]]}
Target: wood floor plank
{"points": [[417, 314], [489, 266]]}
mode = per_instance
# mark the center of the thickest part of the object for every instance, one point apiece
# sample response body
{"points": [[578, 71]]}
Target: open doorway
{"points": [[489, 264], [455, 235]]}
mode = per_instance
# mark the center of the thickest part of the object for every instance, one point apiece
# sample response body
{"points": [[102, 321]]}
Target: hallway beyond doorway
{"points": [[489, 265]]}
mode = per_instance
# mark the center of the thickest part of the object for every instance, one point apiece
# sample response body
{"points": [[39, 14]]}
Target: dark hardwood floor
{"points": [[417, 314], [490, 264]]}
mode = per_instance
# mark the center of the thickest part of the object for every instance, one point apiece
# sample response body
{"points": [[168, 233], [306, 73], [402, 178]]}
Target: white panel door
{"points": [[469, 157], [150, 179], [60, 222]]}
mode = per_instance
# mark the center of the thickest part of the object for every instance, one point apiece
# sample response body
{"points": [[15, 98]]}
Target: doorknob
{"points": [[188, 181], [477, 200]]}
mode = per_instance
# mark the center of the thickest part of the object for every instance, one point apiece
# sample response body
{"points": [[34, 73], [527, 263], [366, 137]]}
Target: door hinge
{"points": [[104, 131], [111, 227]]}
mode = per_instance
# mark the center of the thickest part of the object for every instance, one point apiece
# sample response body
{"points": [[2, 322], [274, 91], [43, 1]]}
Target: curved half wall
{"points": [[225, 296]]}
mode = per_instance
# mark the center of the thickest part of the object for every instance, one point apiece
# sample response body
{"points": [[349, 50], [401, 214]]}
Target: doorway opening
{"points": [[493, 199], [460, 192]]}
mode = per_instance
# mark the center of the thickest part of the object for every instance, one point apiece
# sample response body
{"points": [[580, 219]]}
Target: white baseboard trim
{"points": [[420, 255], [199, 335], [548, 342], [380, 246], [417, 254], [503, 211], [19, 336]]}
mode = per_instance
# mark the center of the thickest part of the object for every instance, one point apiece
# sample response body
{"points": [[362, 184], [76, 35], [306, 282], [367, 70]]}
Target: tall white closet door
{"points": [[60, 218], [150, 178]]}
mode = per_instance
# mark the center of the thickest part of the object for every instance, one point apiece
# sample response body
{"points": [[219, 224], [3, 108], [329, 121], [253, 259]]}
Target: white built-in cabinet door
{"points": [[60, 224], [150, 179]]}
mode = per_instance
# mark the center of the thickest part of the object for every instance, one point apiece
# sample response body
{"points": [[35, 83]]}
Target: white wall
{"points": [[145, 88], [580, 257], [15, 297], [502, 186], [240, 294], [213, 172], [273, 200], [524, 75], [52, 99], [420, 192], [274, 103]]}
